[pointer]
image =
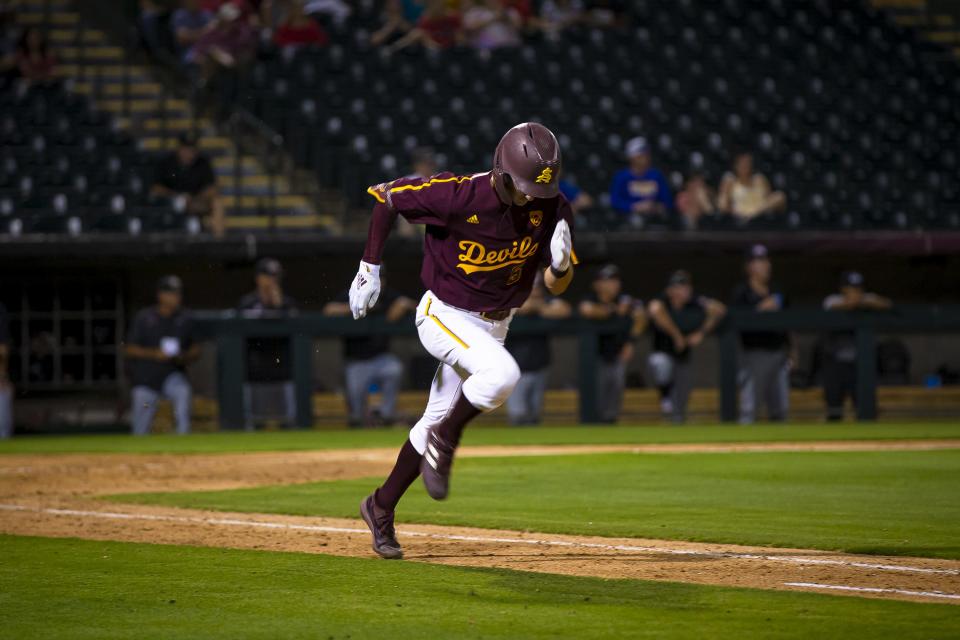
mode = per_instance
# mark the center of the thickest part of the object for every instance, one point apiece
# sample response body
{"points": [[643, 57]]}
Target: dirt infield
{"points": [[56, 495]]}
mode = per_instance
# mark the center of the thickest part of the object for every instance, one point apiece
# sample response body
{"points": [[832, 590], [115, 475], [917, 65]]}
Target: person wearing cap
{"points": [[606, 301], [158, 349], [532, 353], [268, 358], [368, 361], [745, 193], [640, 191], [767, 356], [840, 347], [681, 320], [6, 387], [188, 174]]}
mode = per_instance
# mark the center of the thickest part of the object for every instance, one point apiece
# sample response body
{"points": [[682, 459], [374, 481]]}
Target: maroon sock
{"points": [[405, 471], [462, 412]]}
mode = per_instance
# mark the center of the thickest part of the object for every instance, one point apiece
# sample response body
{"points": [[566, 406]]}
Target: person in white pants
{"points": [[487, 237]]}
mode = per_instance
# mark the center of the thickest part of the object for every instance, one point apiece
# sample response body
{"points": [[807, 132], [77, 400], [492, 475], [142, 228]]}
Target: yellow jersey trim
{"points": [[442, 326]]}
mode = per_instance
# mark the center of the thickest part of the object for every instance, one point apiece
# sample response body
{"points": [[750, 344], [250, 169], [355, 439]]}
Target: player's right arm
{"points": [[420, 201], [661, 318]]}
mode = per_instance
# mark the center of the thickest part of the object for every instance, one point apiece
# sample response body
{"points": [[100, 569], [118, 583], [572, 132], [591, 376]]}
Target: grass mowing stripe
{"points": [[55, 588], [479, 435], [891, 503]]}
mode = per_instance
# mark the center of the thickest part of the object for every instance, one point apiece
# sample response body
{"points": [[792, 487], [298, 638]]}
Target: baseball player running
{"points": [[487, 235]]}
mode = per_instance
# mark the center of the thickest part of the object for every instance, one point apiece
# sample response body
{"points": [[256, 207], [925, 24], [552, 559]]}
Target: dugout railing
{"points": [[230, 332]]}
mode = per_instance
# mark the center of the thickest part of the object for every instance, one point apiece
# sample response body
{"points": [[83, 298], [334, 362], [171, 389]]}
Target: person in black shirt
{"points": [[681, 320], [767, 357], [189, 174], [607, 302], [840, 347], [159, 347], [368, 359], [268, 358], [6, 389], [532, 353]]}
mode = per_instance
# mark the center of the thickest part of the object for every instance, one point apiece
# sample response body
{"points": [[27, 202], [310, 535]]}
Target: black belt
{"points": [[495, 316]]}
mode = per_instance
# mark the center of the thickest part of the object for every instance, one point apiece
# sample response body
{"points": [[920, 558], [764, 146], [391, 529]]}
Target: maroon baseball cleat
{"points": [[381, 526], [436, 463]]}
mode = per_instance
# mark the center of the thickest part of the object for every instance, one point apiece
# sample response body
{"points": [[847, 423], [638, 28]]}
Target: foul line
{"points": [[233, 522], [903, 592]]}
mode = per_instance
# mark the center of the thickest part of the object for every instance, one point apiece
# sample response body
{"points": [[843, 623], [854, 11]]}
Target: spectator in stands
{"points": [[298, 29], [556, 16], [745, 193], [524, 9], [840, 347], [607, 302], [606, 13], [6, 388], [767, 356], [438, 28], [681, 320], [159, 347], [579, 199], [640, 191], [188, 24], [695, 201], [269, 372], [337, 10], [490, 24], [35, 62], [152, 21], [368, 359], [532, 353], [188, 174], [230, 41], [399, 18]]}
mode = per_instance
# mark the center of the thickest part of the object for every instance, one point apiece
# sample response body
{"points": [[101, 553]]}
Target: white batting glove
{"points": [[365, 290], [560, 247]]}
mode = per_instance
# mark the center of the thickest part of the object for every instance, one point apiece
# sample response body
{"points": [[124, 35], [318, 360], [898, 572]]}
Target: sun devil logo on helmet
{"points": [[545, 176]]}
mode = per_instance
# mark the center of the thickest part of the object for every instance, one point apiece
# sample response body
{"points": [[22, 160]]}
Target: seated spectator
{"points": [[606, 13], [681, 320], [34, 61], [337, 10], [188, 24], [840, 347], [524, 9], [368, 359], [746, 194], [640, 191], [186, 173], [298, 29], [269, 371], [228, 42], [532, 353], [400, 16], [152, 22], [695, 201], [159, 348], [607, 302], [558, 15], [489, 24], [579, 199], [438, 28]]}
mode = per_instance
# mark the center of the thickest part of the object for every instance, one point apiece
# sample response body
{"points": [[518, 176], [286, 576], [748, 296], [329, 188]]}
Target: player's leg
{"points": [[538, 392], [778, 390], [143, 408], [177, 389], [660, 368], [474, 348], [680, 391], [357, 384], [518, 404], [6, 412], [389, 374], [833, 388], [748, 387]]}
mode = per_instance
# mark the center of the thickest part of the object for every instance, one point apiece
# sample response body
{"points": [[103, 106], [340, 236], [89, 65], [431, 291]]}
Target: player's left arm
{"points": [[715, 310], [559, 274]]}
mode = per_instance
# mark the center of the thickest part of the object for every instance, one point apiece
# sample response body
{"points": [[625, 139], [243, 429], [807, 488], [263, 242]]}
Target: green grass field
{"points": [[481, 435], [102, 590], [866, 502], [890, 502]]}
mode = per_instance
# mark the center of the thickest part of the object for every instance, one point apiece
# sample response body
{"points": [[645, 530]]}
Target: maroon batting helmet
{"points": [[528, 156]]}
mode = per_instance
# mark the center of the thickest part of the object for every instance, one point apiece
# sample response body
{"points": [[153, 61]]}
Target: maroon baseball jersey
{"points": [[479, 253]]}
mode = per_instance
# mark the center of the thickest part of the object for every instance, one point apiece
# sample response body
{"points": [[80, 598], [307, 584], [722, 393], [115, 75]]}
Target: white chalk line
{"points": [[232, 522], [903, 592]]}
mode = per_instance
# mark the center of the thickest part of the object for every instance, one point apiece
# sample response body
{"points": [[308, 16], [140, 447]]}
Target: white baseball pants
{"points": [[470, 349]]}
